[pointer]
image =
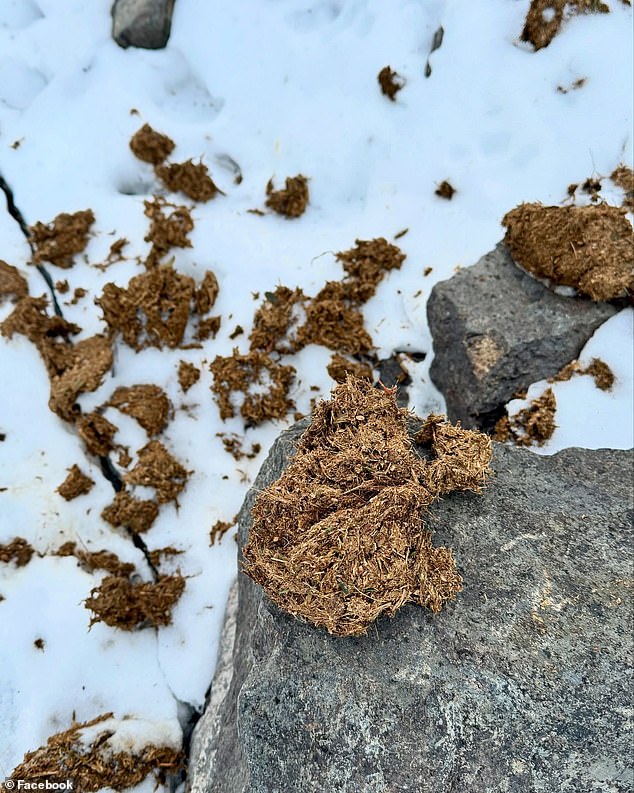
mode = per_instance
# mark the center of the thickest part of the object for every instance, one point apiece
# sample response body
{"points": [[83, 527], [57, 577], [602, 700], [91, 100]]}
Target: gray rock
{"points": [[521, 684], [497, 330], [142, 23]]}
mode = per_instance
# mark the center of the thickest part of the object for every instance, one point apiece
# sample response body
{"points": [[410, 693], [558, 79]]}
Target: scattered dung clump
{"points": [[366, 264], [122, 604], [158, 469], [73, 369], [340, 539], [96, 560], [93, 765], [12, 284], [135, 514], [188, 375], [597, 369], [333, 322], [166, 231], [233, 446], [97, 433], [623, 177], [76, 484], [534, 424], [219, 529], [151, 146], [339, 368], [391, 82], [276, 321], [147, 404], [152, 311], [545, 17], [263, 382], [18, 551], [208, 328], [588, 247], [292, 200], [87, 364], [189, 178], [445, 190], [58, 242]]}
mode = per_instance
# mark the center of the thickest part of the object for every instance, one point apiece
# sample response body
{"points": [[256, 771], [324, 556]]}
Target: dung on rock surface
{"points": [[590, 248], [533, 425], [340, 538]]}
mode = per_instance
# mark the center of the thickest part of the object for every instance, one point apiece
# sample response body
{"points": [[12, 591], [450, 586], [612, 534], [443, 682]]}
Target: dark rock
{"points": [[520, 684], [496, 330], [142, 23], [392, 372]]}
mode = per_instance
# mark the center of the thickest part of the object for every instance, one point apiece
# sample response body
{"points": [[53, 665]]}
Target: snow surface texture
{"points": [[281, 87]]}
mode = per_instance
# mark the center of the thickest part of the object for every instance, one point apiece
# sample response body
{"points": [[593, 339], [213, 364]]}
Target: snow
{"points": [[279, 87]]}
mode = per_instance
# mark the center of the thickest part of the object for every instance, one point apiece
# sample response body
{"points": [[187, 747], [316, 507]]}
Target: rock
{"points": [[496, 330], [142, 23], [520, 684]]}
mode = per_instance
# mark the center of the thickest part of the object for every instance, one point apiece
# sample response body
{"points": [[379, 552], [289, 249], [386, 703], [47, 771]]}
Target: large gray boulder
{"points": [[142, 23], [496, 330], [521, 684]]}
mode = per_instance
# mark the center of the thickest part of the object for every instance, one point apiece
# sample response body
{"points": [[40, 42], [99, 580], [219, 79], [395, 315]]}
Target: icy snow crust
{"points": [[281, 88]]}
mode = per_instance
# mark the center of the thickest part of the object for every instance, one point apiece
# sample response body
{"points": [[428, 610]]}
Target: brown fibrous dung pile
{"points": [[590, 248], [122, 604], [151, 146], [292, 200], [58, 242], [94, 766], [340, 538], [545, 17], [390, 81]]}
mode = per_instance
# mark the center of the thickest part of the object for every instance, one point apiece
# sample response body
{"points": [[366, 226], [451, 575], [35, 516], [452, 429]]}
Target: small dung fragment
{"points": [[92, 763], [18, 551], [590, 248], [391, 82], [97, 433], [189, 178], [219, 529], [59, 241], [122, 604], [157, 468], [188, 374], [206, 293], [166, 231], [135, 514], [290, 201], [96, 560], [623, 177], [147, 404], [75, 484], [85, 367], [12, 284], [597, 369], [445, 190], [151, 146], [533, 425]]}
